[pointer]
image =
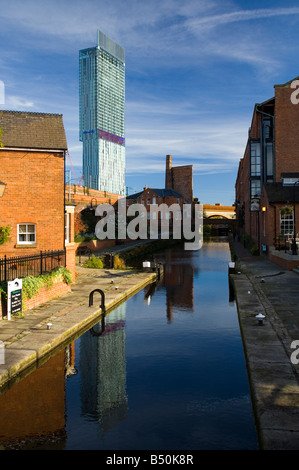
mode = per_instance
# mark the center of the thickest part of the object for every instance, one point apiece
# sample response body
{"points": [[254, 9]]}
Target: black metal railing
{"points": [[30, 265]]}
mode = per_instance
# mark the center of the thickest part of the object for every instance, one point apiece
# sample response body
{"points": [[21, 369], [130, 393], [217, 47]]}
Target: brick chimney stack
{"points": [[168, 173]]}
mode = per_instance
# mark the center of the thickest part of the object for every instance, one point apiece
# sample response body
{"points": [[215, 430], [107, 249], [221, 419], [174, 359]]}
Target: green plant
{"points": [[31, 285], [118, 262], [66, 274], [4, 234], [94, 262], [286, 211], [84, 238], [3, 290]]}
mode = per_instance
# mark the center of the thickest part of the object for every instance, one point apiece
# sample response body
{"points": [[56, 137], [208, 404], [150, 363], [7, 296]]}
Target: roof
{"points": [[158, 192], [290, 175], [32, 130], [286, 84], [276, 192]]}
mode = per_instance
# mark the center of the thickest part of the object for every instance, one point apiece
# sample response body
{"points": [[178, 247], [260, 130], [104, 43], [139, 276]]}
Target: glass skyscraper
{"points": [[102, 115]]}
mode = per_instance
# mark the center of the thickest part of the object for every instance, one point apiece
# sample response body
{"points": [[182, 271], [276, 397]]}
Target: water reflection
{"points": [[34, 409], [103, 371], [165, 370]]}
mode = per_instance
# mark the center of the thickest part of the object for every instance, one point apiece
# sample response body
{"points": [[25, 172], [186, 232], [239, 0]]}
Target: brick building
{"points": [[160, 197], [32, 169], [178, 191], [266, 193], [180, 179]]}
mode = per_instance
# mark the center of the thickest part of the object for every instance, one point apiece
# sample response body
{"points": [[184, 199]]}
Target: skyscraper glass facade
{"points": [[102, 115]]}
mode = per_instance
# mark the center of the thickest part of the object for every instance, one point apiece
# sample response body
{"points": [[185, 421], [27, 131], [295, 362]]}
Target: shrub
{"points": [[118, 262], [31, 285], [4, 235], [94, 262]]}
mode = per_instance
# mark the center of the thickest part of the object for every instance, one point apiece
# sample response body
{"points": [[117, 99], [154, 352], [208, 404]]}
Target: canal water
{"points": [[165, 370]]}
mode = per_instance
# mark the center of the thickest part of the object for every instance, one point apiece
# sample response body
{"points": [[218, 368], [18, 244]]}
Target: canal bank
{"points": [[45, 329], [262, 287]]}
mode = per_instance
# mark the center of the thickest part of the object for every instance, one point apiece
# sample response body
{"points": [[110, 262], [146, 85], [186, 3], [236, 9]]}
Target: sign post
{"points": [[14, 297]]}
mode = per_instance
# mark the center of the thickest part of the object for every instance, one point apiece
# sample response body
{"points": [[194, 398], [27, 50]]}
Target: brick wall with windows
{"points": [[33, 201], [32, 162], [268, 170]]}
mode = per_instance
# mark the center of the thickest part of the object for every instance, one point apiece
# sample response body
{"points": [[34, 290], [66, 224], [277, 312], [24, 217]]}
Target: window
{"points": [[26, 233], [269, 150], [255, 188], [255, 159], [286, 222]]}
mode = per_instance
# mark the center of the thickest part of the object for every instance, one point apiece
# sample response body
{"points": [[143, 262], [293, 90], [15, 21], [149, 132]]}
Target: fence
{"points": [[30, 265]]}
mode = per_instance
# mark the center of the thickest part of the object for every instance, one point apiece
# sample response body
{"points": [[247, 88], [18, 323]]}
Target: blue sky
{"points": [[194, 71]]}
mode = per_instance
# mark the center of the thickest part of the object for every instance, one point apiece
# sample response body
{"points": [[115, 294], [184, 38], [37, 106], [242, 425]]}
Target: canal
{"points": [[166, 370]]}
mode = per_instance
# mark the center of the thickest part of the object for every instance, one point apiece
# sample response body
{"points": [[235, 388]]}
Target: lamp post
{"points": [[294, 247], [264, 209]]}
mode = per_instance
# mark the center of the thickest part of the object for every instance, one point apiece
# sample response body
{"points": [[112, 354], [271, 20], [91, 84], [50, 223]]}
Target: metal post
{"points": [[41, 262]]}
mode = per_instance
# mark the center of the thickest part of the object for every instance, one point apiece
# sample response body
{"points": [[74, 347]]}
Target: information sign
{"points": [[14, 297]]}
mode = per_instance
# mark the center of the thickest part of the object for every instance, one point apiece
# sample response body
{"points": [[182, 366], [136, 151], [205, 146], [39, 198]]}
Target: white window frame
{"points": [[67, 227], [26, 233], [287, 224]]}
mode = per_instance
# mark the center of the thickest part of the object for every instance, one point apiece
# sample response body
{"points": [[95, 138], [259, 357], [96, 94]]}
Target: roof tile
{"points": [[32, 130]]}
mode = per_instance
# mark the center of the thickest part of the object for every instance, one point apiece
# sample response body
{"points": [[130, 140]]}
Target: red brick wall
{"points": [[70, 254], [286, 156], [180, 179], [44, 295], [168, 172], [286, 131], [242, 192], [96, 245], [84, 197], [34, 194], [147, 196]]}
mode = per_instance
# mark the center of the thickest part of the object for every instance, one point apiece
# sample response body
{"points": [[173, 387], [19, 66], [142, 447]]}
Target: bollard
{"points": [[260, 318]]}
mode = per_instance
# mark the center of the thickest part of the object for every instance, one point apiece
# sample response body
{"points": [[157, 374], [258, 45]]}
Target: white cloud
{"points": [[201, 24], [212, 147], [166, 43], [18, 103]]}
